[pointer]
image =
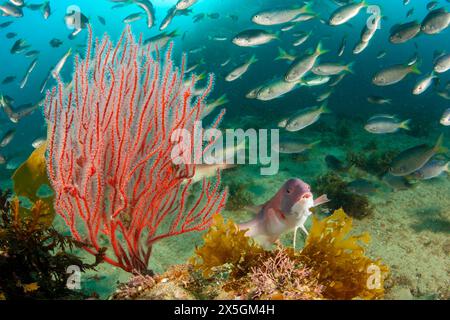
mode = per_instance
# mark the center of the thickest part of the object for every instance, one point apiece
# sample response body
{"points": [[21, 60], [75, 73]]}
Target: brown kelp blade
{"points": [[29, 178]]}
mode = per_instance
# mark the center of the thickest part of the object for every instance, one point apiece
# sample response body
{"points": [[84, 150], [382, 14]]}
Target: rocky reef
{"points": [[230, 265]]}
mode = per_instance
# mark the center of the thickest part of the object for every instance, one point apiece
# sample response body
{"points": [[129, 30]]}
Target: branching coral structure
{"points": [[110, 152]]}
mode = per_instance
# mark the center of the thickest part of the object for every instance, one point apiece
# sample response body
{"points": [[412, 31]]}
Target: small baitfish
{"points": [[432, 169], [304, 118]]}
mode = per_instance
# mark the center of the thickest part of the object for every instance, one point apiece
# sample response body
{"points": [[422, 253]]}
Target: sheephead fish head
{"points": [[296, 193]]}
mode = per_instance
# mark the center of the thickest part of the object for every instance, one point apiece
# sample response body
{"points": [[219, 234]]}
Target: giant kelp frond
{"points": [[340, 262]]}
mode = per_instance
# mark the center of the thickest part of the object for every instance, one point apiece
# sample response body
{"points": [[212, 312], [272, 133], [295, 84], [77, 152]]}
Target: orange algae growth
{"points": [[340, 262]]}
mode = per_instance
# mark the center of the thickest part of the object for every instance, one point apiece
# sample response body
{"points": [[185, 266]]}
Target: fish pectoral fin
{"points": [[253, 227], [321, 200], [274, 222]]}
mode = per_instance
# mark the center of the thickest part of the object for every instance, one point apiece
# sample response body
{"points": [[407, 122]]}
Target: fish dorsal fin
{"points": [[438, 11], [395, 28], [388, 116]]}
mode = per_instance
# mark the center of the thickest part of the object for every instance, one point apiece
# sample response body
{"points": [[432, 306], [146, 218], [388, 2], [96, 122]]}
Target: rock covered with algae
{"points": [[230, 265]]}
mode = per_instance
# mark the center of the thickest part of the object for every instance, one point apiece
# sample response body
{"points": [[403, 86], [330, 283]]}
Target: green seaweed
{"points": [[238, 197], [336, 189], [375, 162]]}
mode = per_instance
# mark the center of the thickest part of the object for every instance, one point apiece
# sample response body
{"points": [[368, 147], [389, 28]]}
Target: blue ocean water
{"points": [[199, 40], [350, 98]]}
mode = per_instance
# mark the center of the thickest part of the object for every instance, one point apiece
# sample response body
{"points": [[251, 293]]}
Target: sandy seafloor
{"points": [[409, 229]]}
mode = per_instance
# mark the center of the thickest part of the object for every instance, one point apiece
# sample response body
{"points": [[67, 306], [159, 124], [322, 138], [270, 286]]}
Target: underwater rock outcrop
{"points": [[229, 265]]}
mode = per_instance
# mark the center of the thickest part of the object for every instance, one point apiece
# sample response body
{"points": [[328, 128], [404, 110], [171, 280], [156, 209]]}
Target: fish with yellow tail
{"points": [[415, 158], [304, 118]]}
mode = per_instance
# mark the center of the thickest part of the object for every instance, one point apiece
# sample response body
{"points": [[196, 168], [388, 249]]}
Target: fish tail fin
{"points": [[283, 55], [447, 167], [389, 101], [221, 101], [253, 59], [277, 35], [439, 148], [405, 125], [307, 8], [313, 144], [229, 165], [43, 4], [324, 107], [201, 76], [415, 68], [349, 67], [320, 50], [173, 34]]}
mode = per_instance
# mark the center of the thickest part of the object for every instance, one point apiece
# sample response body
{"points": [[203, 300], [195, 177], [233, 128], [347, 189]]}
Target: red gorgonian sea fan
{"points": [[109, 152]]}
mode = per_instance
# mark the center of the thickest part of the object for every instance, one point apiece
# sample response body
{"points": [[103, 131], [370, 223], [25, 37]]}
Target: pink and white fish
{"points": [[287, 211]]}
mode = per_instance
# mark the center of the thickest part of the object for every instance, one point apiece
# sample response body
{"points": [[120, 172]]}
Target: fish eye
{"points": [[288, 191]]}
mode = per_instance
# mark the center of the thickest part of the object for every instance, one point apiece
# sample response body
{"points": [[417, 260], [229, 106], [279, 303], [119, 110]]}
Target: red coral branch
{"points": [[109, 152]]}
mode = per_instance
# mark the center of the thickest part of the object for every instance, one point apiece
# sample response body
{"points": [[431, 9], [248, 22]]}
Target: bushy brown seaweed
{"points": [[34, 258], [223, 244], [339, 260], [331, 184], [374, 162], [238, 197]]}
